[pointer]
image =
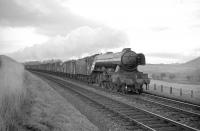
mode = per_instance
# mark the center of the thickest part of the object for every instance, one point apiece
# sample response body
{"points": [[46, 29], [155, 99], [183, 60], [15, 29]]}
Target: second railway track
{"points": [[185, 113], [187, 107], [132, 118]]}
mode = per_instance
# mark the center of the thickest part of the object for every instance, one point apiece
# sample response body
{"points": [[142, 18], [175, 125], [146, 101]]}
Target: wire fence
{"points": [[189, 95]]}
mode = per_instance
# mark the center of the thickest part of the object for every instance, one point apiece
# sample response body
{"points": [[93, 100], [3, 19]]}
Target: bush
{"points": [[172, 76], [154, 76], [162, 75], [188, 77]]}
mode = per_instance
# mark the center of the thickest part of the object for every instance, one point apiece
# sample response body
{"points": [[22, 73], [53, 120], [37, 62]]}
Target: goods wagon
{"points": [[81, 66], [69, 67], [56, 66]]}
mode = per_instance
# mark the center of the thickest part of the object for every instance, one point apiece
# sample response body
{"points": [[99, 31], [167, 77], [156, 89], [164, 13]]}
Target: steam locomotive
{"points": [[114, 71]]}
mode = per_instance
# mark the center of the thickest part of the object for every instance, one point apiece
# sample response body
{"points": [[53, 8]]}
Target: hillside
{"points": [[188, 72], [29, 104], [194, 63]]}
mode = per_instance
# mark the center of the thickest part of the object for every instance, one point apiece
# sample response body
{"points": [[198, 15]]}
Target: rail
{"points": [[147, 120]]}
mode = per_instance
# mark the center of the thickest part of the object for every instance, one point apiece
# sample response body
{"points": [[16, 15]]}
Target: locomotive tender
{"points": [[115, 71]]}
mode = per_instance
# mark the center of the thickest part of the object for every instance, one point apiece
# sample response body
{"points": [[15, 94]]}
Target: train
{"points": [[113, 71]]}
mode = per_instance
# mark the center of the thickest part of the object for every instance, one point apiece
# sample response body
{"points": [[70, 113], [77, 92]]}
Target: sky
{"points": [[166, 31]]}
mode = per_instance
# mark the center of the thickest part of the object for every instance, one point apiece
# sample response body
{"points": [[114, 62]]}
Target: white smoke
{"points": [[83, 40]]}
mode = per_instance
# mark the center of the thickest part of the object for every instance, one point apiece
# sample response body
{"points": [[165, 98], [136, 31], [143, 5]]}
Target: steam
{"points": [[83, 40]]}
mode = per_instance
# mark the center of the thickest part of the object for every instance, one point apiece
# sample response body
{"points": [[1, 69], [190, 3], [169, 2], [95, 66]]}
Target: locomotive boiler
{"points": [[118, 71]]}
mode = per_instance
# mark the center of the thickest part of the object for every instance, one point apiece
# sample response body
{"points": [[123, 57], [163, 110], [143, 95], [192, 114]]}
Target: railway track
{"points": [[130, 117], [188, 107], [175, 110]]}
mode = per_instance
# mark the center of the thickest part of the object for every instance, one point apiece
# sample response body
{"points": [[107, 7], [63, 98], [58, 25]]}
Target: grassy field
{"points": [[50, 111], [177, 85], [12, 95], [28, 103], [183, 79], [175, 73], [184, 92]]}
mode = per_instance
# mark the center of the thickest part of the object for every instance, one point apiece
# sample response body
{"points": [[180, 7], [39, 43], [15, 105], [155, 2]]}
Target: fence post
{"points": [[180, 91], [192, 93], [154, 86], [161, 88], [170, 90]]}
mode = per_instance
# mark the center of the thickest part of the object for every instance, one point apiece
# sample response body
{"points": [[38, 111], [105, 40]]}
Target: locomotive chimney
{"points": [[126, 49], [108, 52]]}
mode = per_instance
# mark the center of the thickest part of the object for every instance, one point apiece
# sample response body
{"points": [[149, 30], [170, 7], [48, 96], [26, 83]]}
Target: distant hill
{"points": [[188, 72], [194, 62]]}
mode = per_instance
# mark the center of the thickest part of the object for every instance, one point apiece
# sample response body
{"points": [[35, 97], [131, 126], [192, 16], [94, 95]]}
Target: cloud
{"points": [[159, 28], [13, 39], [195, 26], [197, 50], [165, 55], [49, 17], [81, 41]]}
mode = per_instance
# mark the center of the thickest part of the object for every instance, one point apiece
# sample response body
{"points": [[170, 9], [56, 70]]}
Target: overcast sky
{"points": [[166, 31]]}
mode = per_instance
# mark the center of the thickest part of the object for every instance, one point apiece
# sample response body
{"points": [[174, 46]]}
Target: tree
{"points": [[199, 77], [172, 76], [188, 77], [154, 76], [162, 75]]}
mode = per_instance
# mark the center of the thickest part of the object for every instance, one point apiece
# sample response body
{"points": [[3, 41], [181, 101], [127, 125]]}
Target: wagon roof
{"points": [[69, 61], [52, 61]]}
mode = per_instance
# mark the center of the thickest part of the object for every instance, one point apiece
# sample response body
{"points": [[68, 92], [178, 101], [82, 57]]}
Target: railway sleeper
{"points": [[125, 122], [123, 109], [158, 125], [148, 119], [128, 112], [133, 128], [168, 129], [140, 116], [133, 113], [112, 105], [149, 122], [117, 119]]}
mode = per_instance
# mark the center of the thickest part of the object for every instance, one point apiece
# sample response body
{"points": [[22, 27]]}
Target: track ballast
{"points": [[130, 117]]}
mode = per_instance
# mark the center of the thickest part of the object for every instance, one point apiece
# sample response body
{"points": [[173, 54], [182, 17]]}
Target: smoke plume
{"points": [[83, 40]]}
